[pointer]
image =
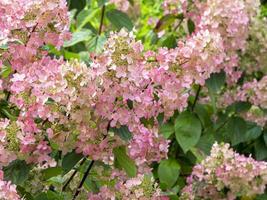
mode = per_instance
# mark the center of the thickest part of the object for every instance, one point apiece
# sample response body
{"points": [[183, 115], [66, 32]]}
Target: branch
{"points": [[78, 190], [102, 19], [72, 176], [196, 98]]}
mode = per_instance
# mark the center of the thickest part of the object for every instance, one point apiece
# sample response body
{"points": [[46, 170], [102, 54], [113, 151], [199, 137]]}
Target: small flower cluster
{"points": [[7, 190], [231, 20], [226, 175], [254, 92], [253, 58], [142, 187]]}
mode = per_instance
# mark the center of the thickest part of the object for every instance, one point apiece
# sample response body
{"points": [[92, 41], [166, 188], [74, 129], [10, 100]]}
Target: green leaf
{"points": [[96, 43], [49, 195], [70, 160], [124, 161], [17, 172], [77, 37], [79, 5], [206, 141], [253, 131], [238, 107], [191, 26], [261, 197], [166, 130], [164, 22], [26, 195], [265, 136], [119, 19], [123, 132], [260, 150], [51, 172], [84, 17], [216, 82], [168, 172], [204, 113], [168, 41], [187, 130], [200, 155], [6, 70], [236, 129]]}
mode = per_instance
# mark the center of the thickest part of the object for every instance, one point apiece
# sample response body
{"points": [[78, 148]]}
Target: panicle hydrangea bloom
{"points": [[253, 92], [142, 187], [230, 18], [226, 175], [27, 25], [254, 57], [7, 189]]}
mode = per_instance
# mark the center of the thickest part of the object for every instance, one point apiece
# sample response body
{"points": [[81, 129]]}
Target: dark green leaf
{"points": [[238, 107], [166, 130], [191, 26], [204, 114], [51, 172], [168, 41], [168, 172], [253, 131], [206, 141], [236, 129], [26, 195], [187, 130], [260, 150], [216, 82], [119, 19], [70, 160], [124, 161], [17, 172], [123, 132]]}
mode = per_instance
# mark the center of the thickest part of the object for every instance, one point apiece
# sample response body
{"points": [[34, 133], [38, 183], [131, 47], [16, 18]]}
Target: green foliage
{"points": [[123, 132], [17, 172], [187, 130], [119, 19], [70, 160], [124, 162], [168, 172]]}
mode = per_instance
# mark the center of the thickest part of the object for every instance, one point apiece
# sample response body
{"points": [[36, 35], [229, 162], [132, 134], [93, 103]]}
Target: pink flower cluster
{"points": [[226, 175], [230, 19], [7, 190], [253, 58], [28, 25], [142, 187], [254, 92]]}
